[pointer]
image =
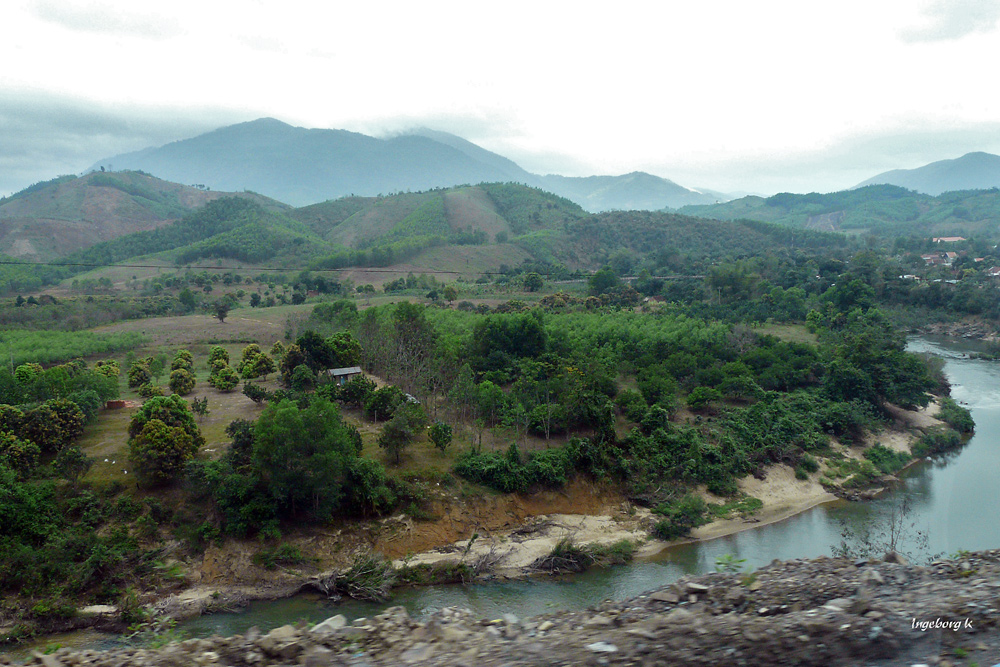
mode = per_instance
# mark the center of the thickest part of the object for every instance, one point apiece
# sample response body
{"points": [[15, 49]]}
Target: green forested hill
{"points": [[507, 223], [60, 216], [882, 210]]}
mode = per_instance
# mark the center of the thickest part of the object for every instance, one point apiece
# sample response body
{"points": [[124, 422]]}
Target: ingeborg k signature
{"points": [[941, 624]]}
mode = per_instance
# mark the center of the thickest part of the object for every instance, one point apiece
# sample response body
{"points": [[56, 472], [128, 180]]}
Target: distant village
{"points": [[947, 258]]}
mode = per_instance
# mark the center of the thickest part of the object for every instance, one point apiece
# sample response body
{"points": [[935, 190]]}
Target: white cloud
{"points": [[700, 89], [954, 19], [104, 17]]}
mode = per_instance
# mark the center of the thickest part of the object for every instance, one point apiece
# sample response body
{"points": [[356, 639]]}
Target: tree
{"points": [[532, 282], [440, 434], [54, 424], [450, 293], [381, 404], [199, 406], [159, 452], [187, 299], [293, 357], [183, 359], [254, 300], [400, 431], [172, 411], [602, 281], [302, 378], [303, 456], [108, 368], [71, 463], [221, 308], [21, 456], [345, 348], [225, 380], [263, 366], [218, 353], [357, 390], [182, 381]]}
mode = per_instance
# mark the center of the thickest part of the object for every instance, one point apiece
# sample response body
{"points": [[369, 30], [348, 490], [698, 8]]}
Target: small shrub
{"points": [[937, 440], [886, 460], [680, 517]]}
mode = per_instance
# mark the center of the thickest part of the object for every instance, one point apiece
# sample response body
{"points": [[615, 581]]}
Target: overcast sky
{"points": [[762, 96]]}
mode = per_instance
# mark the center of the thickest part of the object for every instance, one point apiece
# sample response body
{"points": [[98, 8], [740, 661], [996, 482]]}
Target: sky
{"points": [[729, 95]]}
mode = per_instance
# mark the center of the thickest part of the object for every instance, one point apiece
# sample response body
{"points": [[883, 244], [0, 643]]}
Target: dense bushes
{"points": [[294, 462], [507, 473], [954, 415]]}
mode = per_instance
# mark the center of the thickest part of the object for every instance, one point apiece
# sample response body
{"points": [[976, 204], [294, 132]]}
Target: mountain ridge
{"points": [[303, 166], [973, 171]]}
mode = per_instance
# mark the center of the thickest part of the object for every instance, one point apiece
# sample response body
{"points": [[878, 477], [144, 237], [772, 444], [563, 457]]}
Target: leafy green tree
{"points": [[21, 456], [11, 419], [174, 438], [293, 357], [199, 406], [183, 359], [159, 452], [303, 456], [108, 368], [450, 293], [182, 381], [700, 397], [303, 378], [218, 353], [225, 380], [71, 463], [221, 309], [400, 431], [345, 348], [149, 390], [440, 434], [603, 281], [187, 299], [532, 282], [381, 404], [357, 390], [255, 393], [263, 365], [25, 373], [54, 424]]}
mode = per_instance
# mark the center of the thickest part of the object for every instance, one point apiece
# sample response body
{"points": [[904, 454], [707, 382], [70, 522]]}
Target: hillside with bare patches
{"points": [[64, 215]]}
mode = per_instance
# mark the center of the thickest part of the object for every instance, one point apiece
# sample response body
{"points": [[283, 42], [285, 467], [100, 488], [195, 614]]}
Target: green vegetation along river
{"points": [[953, 501]]}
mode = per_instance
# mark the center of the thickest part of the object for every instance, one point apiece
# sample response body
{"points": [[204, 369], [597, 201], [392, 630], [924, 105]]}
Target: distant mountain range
{"points": [[972, 171], [305, 166]]}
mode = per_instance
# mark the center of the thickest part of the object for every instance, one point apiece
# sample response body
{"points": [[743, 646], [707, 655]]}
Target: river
{"points": [[953, 500]]}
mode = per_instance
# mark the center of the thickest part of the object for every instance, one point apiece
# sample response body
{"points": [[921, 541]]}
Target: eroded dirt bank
{"points": [[828, 612]]}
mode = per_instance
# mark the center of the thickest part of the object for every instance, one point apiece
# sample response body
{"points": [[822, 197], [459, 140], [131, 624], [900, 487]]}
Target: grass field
{"points": [[793, 333]]}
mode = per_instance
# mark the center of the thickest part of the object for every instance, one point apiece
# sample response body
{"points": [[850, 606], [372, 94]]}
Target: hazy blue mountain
{"points": [[973, 171], [302, 166], [635, 191]]}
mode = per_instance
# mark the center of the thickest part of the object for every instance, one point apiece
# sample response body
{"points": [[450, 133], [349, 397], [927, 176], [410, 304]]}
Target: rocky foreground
{"points": [[819, 612]]}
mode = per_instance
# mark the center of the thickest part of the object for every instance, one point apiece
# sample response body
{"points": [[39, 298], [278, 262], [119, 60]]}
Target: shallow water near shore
{"points": [[953, 501]]}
